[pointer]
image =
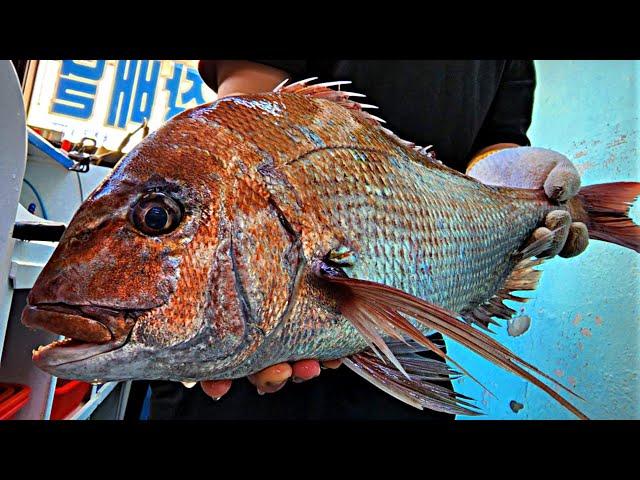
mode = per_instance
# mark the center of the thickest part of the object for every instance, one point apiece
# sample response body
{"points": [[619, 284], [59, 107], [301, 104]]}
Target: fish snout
{"points": [[47, 290], [61, 281]]}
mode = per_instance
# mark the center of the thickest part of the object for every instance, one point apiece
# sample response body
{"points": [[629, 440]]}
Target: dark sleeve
{"points": [[509, 117]]}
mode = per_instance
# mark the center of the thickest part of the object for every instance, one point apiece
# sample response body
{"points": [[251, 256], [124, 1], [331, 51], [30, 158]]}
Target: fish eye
{"points": [[156, 213]]}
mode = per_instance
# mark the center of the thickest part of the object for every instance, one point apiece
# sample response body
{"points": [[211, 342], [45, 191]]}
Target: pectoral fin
{"points": [[546, 241], [374, 308]]}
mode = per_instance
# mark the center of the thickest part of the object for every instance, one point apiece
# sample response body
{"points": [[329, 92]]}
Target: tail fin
{"points": [[604, 208]]}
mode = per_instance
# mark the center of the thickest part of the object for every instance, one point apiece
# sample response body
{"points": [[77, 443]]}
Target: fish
{"points": [[288, 225]]}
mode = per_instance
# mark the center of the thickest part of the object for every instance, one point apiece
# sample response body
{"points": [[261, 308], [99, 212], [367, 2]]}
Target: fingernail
{"points": [[275, 384], [272, 387], [297, 380]]}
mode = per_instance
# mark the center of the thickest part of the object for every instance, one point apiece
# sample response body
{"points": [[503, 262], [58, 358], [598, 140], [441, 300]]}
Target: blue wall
{"points": [[585, 322]]}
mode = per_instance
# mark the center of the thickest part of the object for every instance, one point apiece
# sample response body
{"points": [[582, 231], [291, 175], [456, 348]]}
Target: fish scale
{"points": [[409, 231]]}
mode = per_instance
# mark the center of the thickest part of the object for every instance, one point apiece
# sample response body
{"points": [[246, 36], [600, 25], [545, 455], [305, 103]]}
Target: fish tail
{"points": [[604, 209]]}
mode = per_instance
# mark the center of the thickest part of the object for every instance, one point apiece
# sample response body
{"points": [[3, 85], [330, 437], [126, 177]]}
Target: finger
{"points": [[333, 364], [557, 221], [270, 387], [272, 378], [538, 233], [563, 182], [215, 388], [577, 240], [305, 370]]}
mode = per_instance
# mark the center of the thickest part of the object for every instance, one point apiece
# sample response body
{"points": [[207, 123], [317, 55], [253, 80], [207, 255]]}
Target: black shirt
{"points": [[457, 106]]}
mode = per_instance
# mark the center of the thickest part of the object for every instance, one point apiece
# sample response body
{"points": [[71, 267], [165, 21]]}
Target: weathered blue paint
{"points": [[585, 328]]}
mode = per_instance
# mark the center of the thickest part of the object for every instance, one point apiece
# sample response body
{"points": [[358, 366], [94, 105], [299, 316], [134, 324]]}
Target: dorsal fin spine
{"points": [[322, 91]]}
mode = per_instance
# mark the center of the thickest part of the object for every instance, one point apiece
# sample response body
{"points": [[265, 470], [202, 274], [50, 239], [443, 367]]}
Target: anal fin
{"points": [[523, 277]]}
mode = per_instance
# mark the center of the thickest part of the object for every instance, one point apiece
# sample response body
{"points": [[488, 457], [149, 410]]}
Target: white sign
{"points": [[106, 99]]}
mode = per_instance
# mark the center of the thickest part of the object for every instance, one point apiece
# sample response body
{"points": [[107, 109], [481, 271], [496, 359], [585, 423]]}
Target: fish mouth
{"points": [[89, 331]]}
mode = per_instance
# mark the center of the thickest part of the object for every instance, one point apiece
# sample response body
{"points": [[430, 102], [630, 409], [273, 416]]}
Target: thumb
{"points": [[563, 182], [528, 167]]}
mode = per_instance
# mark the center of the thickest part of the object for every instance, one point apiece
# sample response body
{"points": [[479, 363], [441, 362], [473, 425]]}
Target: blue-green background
{"points": [[585, 328]]}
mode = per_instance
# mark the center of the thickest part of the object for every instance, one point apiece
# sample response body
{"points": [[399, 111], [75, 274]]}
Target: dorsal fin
{"points": [[343, 98]]}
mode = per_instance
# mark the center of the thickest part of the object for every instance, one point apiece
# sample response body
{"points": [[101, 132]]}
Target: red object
{"points": [[66, 145], [12, 398], [68, 395]]}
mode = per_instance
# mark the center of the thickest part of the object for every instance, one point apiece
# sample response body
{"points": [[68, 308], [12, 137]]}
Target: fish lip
{"points": [[91, 329], [58, 354], [90, 323]]}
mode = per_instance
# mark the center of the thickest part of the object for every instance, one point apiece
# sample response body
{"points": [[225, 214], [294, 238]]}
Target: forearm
{"points": [[484, 152], [241, 76]]}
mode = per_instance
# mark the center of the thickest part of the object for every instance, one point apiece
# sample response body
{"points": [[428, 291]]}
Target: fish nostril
{"points": [[84, 236], [45, 290], [57, 280]]}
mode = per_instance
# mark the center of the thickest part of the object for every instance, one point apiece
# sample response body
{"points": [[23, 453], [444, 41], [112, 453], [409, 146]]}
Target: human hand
{"points": [[273, 378], [239, 77], [531, 167]]}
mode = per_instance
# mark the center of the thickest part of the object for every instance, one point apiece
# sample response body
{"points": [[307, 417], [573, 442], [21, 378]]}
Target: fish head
{"points": [[176, 267]]}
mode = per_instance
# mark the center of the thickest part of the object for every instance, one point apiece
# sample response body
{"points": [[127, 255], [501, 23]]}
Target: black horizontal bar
{"points": [[45, 232]]}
